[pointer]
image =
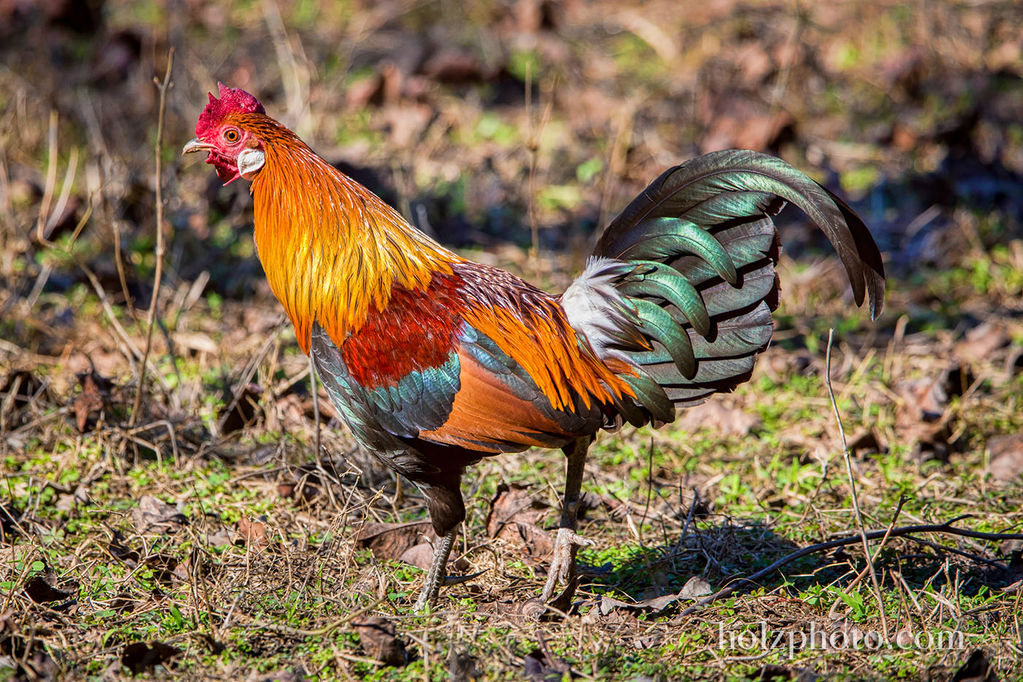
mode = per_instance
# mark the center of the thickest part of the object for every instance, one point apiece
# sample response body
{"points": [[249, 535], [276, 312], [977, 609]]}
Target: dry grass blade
{"points": [[852, 488], [163, 86]]}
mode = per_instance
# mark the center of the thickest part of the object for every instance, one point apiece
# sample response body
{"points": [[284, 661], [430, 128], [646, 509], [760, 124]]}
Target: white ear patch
{"points": [[250, 161]]}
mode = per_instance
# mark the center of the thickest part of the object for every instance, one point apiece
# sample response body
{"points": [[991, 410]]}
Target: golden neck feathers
{"points": [[333, 252]]}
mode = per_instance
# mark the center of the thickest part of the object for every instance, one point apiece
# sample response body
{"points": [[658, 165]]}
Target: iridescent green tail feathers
{"points": [[682, 283]]}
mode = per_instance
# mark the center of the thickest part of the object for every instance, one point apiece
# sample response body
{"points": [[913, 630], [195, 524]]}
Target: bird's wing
{"points": [[479, 361]]}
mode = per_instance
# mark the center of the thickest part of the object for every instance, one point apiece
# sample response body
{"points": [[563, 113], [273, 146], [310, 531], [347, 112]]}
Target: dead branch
{"points": [[158, 275]]}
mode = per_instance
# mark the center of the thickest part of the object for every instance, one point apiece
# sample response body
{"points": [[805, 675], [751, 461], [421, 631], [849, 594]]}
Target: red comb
{"points": [[232, 100]]}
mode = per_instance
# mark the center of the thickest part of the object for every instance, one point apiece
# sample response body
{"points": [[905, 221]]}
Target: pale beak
{"points": [[196, 145]]}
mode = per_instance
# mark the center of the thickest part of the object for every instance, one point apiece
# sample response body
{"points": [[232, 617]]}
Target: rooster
{"points": [[434, 361]]}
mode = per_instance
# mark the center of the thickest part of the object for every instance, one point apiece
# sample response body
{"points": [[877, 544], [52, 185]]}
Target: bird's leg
{"points": [[563, 561], [435, 576]]}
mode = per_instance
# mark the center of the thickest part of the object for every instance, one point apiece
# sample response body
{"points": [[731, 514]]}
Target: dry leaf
{"points": [[140, 657], [376, 634], [244, 412], [540, 665], [514, 516], [418, 555], [695, 588], [1006, 454], [250, 533], [156, 516], [714, 414], [392, 540], [977, 668], [41, 591], [981, 342], [89, 404]]}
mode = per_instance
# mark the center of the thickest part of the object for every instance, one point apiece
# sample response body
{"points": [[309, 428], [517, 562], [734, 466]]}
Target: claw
{"points": [[562, 568]]}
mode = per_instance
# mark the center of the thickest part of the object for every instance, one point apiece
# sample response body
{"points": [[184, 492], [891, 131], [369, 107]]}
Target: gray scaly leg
{"points": [[563, 561], [435, 576]]}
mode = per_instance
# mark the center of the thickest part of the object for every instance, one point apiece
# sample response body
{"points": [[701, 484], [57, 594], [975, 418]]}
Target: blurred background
{"points": [[511, 130], [522, 123]]}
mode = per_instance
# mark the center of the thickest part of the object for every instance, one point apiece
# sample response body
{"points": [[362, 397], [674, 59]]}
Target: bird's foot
{"points": [[425, 599], [562, 568]]}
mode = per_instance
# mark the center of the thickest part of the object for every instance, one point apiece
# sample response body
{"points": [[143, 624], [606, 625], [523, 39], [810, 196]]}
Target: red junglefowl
{"points": [[435, 362]]}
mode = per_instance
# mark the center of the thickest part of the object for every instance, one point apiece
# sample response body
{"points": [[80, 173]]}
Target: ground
{"points": [[175, 503]]}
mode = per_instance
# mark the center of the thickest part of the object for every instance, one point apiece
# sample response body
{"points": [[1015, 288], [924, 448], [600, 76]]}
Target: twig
{"points": [[128, 347], [899, 532], [649, 488], [852, 486], [158, 275], [248, 373]]}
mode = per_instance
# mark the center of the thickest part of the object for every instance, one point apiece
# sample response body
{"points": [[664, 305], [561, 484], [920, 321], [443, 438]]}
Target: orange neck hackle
{"points": [[331, 249]]}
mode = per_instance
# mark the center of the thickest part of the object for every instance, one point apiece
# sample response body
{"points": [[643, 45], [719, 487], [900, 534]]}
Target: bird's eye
{"points": [[231, 135]]}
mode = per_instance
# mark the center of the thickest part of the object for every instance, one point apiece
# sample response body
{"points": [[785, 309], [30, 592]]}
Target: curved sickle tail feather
{"points": [[682, 284]]}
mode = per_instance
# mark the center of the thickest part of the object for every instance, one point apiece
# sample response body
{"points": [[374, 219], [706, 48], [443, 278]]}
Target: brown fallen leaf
{"points": [[1006, 453], [10, 522], [251, 533], [376, 634], [392, 540], [244, 412], [514, 517], [40, 591], [922, 410], [714, 414], [67, 502], [462, 665], [981, 342], [418, 555], [977, 668], [541, 665], [694, 588], [89, 405], [140, 657], [408, 542], [156, 516], [220, 538]]}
